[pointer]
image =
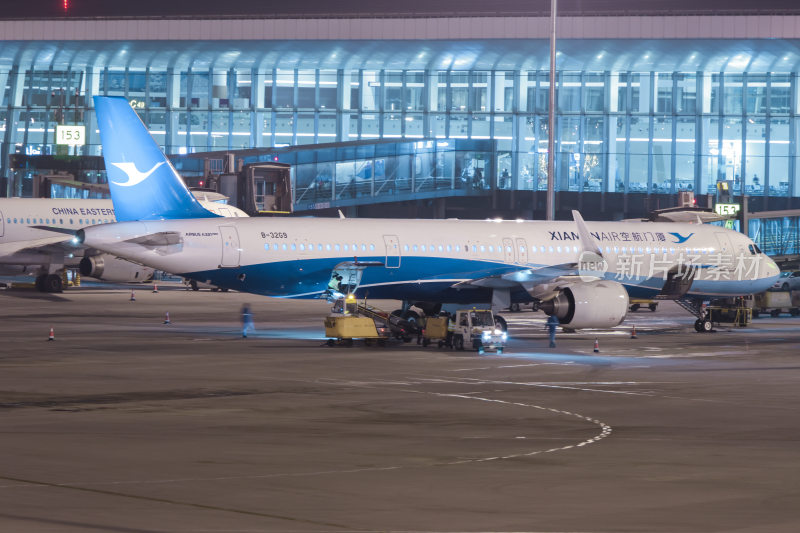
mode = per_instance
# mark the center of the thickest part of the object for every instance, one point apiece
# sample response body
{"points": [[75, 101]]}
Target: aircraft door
{"points": [[508, 250], [522, 251], [231, 249], [392, 251]]}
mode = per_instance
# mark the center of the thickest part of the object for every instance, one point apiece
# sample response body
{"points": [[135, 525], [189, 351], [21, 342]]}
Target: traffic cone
{"points": [[52, 336], [133, 296], [596, 346], [633, 332], [155, 287], [166, 318]]}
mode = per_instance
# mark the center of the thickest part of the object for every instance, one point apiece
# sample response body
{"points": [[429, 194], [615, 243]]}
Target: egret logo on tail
{"points": [[134, 176], [680, 239]]}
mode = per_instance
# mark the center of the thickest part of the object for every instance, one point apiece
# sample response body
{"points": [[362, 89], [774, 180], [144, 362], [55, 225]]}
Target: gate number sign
{"points": [[71, 135]]}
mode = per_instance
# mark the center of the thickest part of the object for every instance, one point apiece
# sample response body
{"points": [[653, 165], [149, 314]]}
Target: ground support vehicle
{"points": [[351, 319], [477, 328], [777, 302], [737, 311], [436, 329], [636, 304]]}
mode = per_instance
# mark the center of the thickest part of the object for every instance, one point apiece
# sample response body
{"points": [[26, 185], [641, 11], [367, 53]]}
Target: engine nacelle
{"points": [[594, 304], [108, 267]]}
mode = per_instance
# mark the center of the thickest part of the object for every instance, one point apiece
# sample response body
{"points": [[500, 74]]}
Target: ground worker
{"points": [[247, 320], [552, 324]]}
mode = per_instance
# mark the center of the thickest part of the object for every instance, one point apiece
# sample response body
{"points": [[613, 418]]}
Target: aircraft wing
{"points": [[36, 245], [545, 281]]}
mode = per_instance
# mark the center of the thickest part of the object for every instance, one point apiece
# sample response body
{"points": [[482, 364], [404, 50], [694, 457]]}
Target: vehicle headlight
{"points": [[498, 331], [505, 335], [486, 335]]}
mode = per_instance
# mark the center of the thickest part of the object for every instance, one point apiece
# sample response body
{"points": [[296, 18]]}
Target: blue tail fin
{"points": [[144, 184]]}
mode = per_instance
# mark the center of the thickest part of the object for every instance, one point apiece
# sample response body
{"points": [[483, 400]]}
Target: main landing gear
{"points": [[49, 283]]}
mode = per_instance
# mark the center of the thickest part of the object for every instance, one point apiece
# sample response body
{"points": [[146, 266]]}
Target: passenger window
{"points": [[328, 247], [490, 248], [405, 248], [363, 247], [441, 248], [550, 249], [558, 249], [294, 246], [346, 247], [449, 247], [416, 248], [302, 246], [483, 248], [458, 247], [336, 247], [474, 248], [266, 247], [284, 247], [372, 247], [319, 247], [422, 247]]}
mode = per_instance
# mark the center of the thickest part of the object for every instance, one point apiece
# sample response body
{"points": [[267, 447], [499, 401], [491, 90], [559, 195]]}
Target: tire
{"points": [[775, 313], [458, 342], [698, 325], [193, 285], [40, 282], [514, 308], [785, 287], [652, 307], [794, 312], [501, 323], [411, 316], [426, 341], [634, 308], [707, 326], [53, 283]]}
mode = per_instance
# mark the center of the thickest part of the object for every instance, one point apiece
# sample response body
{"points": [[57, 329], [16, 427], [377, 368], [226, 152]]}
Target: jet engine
{"points": [[108, 267], [594, 304]]}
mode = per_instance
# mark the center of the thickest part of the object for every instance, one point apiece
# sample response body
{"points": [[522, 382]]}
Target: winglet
{"points": [[144, 185], [588, 242], [341, 215]]}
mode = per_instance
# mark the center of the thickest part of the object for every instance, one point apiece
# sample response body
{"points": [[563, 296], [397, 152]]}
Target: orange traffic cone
{"points": [[155, 287], [633, 332], [133, 296], [596, 346], [166, 318], [52, 336]]}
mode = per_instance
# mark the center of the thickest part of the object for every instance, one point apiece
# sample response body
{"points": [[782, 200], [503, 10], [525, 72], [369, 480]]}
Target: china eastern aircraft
{"points": [[581, 272], [27, 248]]}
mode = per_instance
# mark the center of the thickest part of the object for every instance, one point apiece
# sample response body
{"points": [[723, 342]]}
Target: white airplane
{"points": [[574, 270], [26, 248]]}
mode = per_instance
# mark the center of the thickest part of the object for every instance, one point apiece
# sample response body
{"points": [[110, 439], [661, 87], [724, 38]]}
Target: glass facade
{"points": [[643, 132]]}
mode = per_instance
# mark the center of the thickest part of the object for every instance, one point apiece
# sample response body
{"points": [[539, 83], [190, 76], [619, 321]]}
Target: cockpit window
{"points": [[754, 249]]}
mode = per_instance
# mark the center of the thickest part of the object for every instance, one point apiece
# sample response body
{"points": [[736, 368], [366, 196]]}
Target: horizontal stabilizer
{"points": [[164, 238]]}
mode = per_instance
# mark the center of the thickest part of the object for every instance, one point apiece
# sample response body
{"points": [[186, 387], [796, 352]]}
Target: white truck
{"points": [[477, 328]]}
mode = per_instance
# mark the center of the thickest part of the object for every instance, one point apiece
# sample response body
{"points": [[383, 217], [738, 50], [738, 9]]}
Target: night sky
{"points": [[91, 8]]}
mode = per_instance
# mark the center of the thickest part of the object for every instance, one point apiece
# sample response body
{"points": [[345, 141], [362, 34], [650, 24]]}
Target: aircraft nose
{"points": [[770, 271]]}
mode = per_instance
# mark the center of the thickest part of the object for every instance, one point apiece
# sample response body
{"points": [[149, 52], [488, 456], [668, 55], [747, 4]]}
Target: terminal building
{"points": [[443, 114]]}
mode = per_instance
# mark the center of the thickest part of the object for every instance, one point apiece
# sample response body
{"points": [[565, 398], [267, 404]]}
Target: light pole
{"points": [[551, 120]]}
